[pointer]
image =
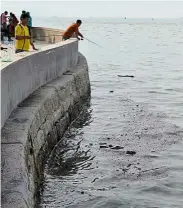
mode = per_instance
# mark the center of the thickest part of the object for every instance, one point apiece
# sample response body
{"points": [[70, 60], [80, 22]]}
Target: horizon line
{"points": [[111, 17]]}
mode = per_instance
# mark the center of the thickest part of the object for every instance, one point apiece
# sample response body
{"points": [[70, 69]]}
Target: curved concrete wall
{"points": [[42, 93], [49, 35], [24, 76], [34, 128]]}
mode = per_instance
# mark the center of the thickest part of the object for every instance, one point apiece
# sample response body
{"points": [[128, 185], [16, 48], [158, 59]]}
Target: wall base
{"points": [[34, 128]]}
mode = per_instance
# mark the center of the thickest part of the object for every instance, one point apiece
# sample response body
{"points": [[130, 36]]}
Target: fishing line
{"points": [[94, 43], [46, 36], [100, 46], [131, 76], [107, 50]]}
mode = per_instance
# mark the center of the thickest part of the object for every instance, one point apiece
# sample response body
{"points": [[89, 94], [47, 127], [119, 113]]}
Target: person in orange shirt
{"points": [[73, 29]]}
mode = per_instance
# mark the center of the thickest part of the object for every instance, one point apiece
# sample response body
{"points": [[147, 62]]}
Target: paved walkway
{"points": [[9, 56]]}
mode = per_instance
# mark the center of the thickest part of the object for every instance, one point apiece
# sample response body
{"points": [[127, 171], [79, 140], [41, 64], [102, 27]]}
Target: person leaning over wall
{"points": [[22, 36], [73, 29]]}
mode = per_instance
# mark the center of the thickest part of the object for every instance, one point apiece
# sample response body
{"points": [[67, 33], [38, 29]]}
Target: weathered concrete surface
{"points": [[33, 129], [49, 35], [27, 73]]}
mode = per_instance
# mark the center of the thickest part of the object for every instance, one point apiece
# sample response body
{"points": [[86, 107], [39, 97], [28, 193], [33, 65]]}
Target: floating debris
{"points": [[124, 170], [117, 148], [128, 152], [102, 143], [94, 180], [101, 189], [126, 76], [103, 146]]}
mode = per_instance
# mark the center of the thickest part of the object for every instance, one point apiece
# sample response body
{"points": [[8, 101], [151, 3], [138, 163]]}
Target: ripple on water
{"points": [[79, 173], [80, 168]]}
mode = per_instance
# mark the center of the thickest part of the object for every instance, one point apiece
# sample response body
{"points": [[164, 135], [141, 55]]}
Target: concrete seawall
{"points": [[24, 76], [49, 35], [41, 95]]}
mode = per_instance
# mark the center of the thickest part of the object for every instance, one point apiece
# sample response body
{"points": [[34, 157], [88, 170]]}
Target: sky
{"points": [[129, 9]]}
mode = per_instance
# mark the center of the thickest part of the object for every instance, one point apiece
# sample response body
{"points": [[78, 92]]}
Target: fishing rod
{"points": [[45, 36], [108, 50], [93, 42]]}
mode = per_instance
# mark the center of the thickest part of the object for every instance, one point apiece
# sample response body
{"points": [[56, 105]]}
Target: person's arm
{"points": [[78, 34], [18, 35]]}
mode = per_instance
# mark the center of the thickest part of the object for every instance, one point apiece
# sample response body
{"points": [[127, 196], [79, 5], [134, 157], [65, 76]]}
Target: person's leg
{"points": [[30, 33], [3, 33], [8, 34], [4, 27], [8, 27], [11, 30], [9, 37]]}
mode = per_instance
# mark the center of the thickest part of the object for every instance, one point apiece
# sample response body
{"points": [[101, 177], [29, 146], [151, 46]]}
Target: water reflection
{"points": [[67, 157]]}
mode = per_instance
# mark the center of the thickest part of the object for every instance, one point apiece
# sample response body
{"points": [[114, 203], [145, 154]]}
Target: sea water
{"points": [[144, 114]]}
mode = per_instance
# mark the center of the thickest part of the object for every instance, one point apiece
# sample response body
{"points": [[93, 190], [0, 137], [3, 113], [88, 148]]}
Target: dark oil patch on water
{"points": [[87, 169]]}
